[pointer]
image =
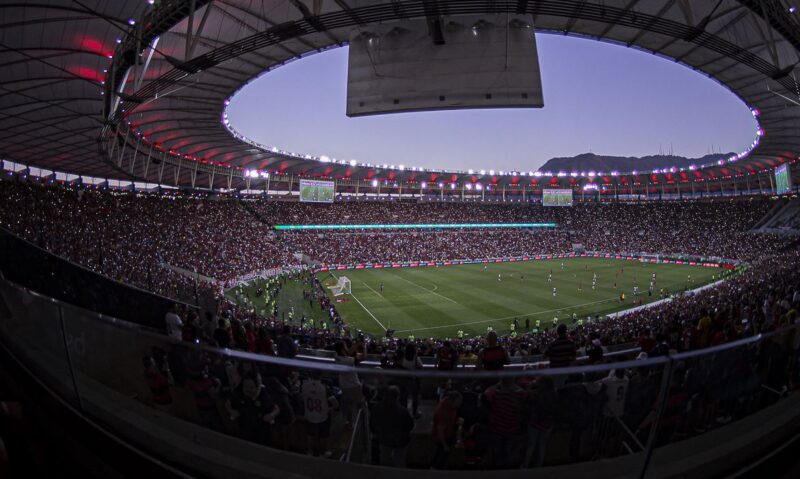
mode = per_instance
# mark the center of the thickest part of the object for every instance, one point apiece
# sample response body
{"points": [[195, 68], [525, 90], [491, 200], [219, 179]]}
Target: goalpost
{"points": [[341, 287]]}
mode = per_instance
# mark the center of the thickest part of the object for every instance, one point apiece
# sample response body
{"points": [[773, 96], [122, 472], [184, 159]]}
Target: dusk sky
{"points": [[598, 97]]}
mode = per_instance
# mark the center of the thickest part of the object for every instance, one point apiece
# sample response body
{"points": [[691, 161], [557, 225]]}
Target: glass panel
{"points": [[31, 327], [395, 412], [709, 389], [458, 419]]}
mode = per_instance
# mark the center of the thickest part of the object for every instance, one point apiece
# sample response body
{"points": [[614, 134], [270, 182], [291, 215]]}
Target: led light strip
{"points": [[410, 226]]}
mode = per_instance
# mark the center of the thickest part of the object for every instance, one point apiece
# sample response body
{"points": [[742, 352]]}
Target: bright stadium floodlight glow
{"points": [[353, 162], [468, 186], [441, 185], [416, 225], [374, 183], [592, 174], [537, 174], [574, 174], [469, 171], [561, 174], [491, 172], [401, 167], [478, 186], [590, 186], [424, 185], [483, 172], [452, 186]]}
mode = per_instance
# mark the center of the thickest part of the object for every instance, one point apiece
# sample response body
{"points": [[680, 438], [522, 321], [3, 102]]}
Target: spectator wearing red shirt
{"points": [[445, 427], [493, 357], [506, 405], [158, 381], [446, 357]]}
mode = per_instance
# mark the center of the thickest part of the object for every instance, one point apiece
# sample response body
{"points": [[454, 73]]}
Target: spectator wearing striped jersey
{"points": [[506, 402], [561, 352], [493, 357]]}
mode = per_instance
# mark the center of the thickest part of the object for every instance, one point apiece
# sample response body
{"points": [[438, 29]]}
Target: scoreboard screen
{"points": [[783, 180], [315, 191], [557, 198]]}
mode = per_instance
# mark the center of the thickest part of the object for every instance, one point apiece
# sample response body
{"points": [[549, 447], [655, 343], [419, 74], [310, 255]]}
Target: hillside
{"points": [[592, 162]]}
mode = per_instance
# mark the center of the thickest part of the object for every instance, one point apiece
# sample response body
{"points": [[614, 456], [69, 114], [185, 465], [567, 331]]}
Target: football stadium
{"points": [[198, 278]]}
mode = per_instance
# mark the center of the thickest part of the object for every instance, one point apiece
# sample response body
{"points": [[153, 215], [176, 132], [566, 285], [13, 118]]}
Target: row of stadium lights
{"points": [[536, 174]]}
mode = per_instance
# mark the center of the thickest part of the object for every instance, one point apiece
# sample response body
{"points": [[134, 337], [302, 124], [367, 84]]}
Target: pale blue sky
{"points": [[598, 97]]}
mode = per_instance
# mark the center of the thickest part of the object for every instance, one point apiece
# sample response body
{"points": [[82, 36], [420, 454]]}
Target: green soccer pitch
{"points": [[439, 301]]}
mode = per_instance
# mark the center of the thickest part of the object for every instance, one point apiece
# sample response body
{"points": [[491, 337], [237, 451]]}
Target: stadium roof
{"points": [[76, 73]]}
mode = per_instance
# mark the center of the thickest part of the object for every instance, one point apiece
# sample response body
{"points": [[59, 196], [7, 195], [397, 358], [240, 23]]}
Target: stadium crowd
{"points": [[130, 237], [438, 245], [135, 238]]}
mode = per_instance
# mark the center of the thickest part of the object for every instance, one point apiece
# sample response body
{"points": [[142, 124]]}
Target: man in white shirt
{"points": [[316, 404], [174, 323]]}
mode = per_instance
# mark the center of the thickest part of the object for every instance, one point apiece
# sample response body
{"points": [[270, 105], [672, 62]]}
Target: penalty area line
{"points": [[365, 308]]}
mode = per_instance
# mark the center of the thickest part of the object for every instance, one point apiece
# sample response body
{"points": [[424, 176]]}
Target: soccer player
{"points": [[594, 284], [381, 287], [554, 292], [550, 277], [562, 265], [485, 267], [689, 278], [635, 290], [498, 277]]}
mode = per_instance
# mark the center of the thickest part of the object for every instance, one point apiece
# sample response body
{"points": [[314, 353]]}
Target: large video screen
{"points": [[316, 191], [557, 198], [783, 179]]}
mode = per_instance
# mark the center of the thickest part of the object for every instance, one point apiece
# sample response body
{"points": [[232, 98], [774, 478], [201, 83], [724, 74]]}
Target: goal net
{"points": [[342, 286]]}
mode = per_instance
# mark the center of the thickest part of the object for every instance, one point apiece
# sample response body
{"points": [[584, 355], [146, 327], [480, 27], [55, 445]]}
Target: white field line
{"points": [[368, 312], [427, 290], [362, 305], [507, 317], [365, 284]]}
